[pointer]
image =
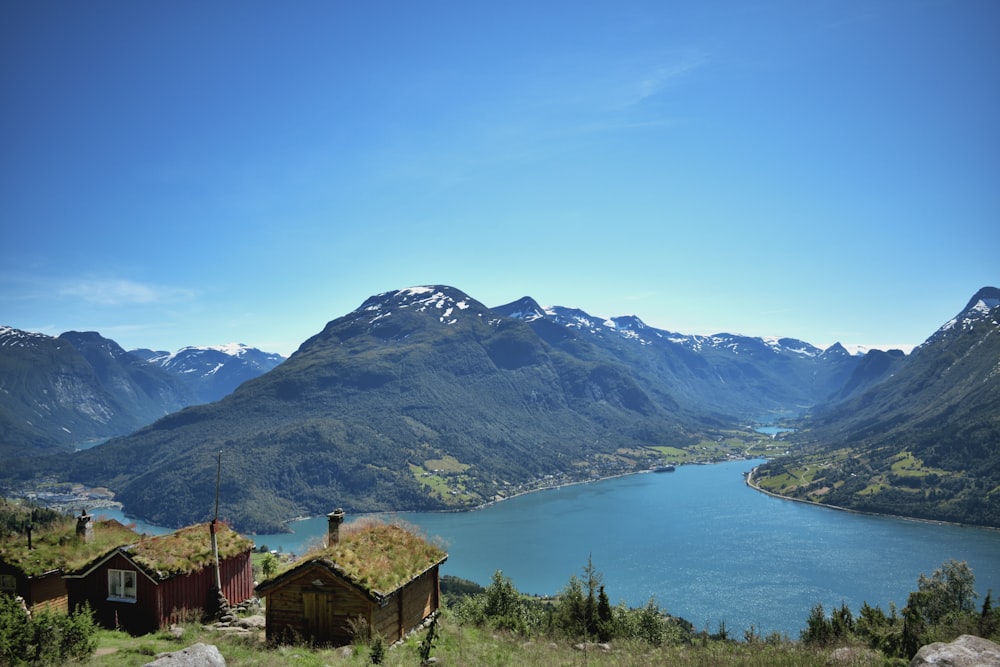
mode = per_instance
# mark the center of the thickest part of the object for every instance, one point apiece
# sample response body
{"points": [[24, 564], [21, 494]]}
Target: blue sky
{"points": [[192, 173]]}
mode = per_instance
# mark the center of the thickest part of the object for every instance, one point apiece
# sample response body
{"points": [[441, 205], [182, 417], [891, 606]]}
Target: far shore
{"points": [[749, 478], [554, 487]]}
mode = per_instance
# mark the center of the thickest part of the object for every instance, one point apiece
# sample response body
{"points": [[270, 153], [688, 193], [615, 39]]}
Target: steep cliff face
{"points": [[75, 390]]}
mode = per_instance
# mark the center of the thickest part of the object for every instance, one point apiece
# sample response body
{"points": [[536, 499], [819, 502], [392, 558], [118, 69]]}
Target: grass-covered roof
{"points": [[186, 550], [56, 546], [375, 556]]}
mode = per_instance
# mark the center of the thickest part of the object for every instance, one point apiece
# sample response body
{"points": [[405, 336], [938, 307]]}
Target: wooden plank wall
{"points": [[288, 617], [136, 617], [188, 596], [300, 610], [48, 593], [408, 608]]}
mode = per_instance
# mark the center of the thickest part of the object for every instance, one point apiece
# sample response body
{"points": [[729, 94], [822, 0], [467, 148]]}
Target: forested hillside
{"points": [[923, 443], [420, 399]]}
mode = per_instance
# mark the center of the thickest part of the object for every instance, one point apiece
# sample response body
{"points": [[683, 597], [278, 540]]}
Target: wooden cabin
{"points": [[380, 575], [160, 580], [32, 564]]}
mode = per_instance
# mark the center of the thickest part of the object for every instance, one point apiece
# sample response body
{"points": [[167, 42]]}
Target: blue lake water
{"points": [[705, 545]]}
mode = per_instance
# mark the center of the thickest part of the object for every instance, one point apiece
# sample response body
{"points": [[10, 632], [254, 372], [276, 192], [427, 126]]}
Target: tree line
{"points": [[944, 606]]}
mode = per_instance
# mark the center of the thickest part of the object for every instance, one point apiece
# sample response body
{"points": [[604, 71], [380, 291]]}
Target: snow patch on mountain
{"points": [[974, 314], [421, 299], [11, 337]]}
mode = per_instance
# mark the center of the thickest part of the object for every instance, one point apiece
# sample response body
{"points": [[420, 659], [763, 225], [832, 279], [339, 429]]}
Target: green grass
{"points": [[671, 452], [446, 464], [188, 549], [450, 485], [56, 546], [461, 645], [378, 556]]}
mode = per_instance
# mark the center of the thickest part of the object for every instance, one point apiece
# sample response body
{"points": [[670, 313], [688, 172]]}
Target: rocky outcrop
{"points": [[966, 651], [196, 655]]}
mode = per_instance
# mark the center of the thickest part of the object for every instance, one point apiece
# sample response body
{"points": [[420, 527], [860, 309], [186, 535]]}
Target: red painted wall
{"points": [[160, 603]]}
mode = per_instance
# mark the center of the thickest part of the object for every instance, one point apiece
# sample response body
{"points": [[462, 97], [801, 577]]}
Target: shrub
{"points": [[46, 638], [500, 606]]}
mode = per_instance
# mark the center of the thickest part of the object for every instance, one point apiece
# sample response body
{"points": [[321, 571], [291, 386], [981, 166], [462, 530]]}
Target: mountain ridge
{"points": [[212, 371], [923, 442], [425, 398], [74, 390], [79, 388]]}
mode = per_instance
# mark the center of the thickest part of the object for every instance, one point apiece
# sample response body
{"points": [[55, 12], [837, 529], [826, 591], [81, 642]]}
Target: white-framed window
{"points": [[121, 585], [8, 582]]}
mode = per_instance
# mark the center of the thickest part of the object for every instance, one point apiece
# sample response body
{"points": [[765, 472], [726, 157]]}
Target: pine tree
{"points": [[604, 616]]}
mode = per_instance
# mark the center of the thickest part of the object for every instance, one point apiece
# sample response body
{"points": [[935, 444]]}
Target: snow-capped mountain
{"points": [[213, 371], [981, 310], [75, 390], [728, 373], [13, 338], [939, 407], [633, 328]]}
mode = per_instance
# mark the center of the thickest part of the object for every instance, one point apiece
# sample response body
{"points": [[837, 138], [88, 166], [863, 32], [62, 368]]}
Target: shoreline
{"points": [[749, 481], [562, 485], [554, 487]]}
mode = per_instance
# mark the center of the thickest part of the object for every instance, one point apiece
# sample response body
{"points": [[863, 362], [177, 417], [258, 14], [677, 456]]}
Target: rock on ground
{"points": [[966, 651], [196, 655]]}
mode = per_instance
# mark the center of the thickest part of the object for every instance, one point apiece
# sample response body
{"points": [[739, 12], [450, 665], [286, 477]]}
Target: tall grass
{"points": [[470, 646]]}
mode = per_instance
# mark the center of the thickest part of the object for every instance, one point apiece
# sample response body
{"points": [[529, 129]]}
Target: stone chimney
{"points": [[334, 519], [84, 528]]}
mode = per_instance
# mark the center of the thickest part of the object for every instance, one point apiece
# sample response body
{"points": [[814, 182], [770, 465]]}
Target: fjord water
{"points": [[705, 545]]}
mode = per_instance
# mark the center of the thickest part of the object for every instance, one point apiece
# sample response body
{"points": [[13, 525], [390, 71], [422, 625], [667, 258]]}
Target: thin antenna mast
{"points": [[218, 480], [215, 541]]}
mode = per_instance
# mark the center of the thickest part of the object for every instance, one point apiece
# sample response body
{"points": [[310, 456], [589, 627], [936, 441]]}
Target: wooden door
{"points": [[318, 609]]}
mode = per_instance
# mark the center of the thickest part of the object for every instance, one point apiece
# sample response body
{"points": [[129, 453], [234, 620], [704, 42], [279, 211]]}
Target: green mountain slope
{"points": [[924, 443], [419, 399]]}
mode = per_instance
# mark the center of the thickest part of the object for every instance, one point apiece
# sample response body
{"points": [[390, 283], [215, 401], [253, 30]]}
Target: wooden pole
{"points": [[215, 541]]}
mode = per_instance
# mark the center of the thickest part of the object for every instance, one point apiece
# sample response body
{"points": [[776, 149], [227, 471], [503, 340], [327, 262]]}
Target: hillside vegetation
{"points": [[924, 443], [497, 625], [425, 399], [403, 412]]}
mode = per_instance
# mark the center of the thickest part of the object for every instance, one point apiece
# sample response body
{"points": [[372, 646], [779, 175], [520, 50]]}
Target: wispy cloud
{"points": [[123, 292], [533, 120], [662, 76]]}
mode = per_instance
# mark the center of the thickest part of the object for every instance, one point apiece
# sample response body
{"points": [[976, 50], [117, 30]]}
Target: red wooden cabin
{"points": [[164, 579]]}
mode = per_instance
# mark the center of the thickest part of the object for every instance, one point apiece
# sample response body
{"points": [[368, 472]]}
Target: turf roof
{"points": [[56, 547], [186, 550], [377, 557]]}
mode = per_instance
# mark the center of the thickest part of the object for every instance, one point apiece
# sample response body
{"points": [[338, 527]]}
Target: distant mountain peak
{"points": [[213, 371], [525, 308], [93, 340], [628, 323], [979, 307], [236, 350], [985, 300], [836, 350], [445, 301], [11, 337]]}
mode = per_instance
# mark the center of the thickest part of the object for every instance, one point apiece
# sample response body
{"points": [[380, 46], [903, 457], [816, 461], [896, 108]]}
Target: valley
{"points": [[424, 399]]}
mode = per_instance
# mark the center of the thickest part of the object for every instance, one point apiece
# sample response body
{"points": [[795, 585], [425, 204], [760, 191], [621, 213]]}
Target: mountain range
{"points": [[79, 389], [925, 442], [424, 398], [212, 372]]}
